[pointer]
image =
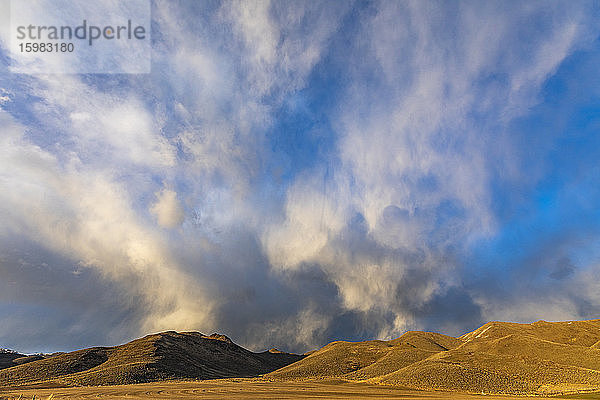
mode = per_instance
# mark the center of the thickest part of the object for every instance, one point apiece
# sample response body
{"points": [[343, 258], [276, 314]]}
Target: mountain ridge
{"points": [[540, 358], [162, 356]]}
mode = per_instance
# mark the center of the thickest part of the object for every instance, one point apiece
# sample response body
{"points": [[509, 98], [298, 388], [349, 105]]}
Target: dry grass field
{"points": [[244, 389]]}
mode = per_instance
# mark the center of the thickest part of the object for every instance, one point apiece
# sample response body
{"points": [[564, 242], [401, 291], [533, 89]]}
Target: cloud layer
{"points": [[292, 173]]}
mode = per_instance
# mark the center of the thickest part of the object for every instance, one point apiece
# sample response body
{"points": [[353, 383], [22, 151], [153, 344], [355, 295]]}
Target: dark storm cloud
{"points": [[45, 292]]}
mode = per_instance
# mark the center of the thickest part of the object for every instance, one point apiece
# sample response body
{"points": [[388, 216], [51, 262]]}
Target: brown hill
{"points": [[369, 359], [9, 358], [582, 333], [167, 355], [538, 358]]}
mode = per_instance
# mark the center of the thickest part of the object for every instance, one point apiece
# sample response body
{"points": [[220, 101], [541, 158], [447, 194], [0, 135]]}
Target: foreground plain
{"points": [[242, 389]]}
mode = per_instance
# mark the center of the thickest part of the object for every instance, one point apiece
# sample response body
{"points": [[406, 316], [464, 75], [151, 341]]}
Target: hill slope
{"points": [[369, 359], [9, 358], [538, 358], [167, 355], [581, 333]]}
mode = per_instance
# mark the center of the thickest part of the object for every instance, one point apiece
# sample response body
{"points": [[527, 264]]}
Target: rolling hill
{"points": [[168, 355], [538, 358], [541, 358]]}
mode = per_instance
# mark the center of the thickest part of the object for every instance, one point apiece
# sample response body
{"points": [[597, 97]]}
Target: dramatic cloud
{"points": [[292, 173]]}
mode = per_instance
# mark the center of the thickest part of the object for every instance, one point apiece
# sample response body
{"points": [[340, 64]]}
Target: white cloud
{"points": [[167, 209], [312, 216], [410, 147], [104, 127], [84, 215], [257, 28], [5, 96]]}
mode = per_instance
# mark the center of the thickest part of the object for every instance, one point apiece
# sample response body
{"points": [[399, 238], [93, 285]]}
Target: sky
{"points": [[291, 173]]}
